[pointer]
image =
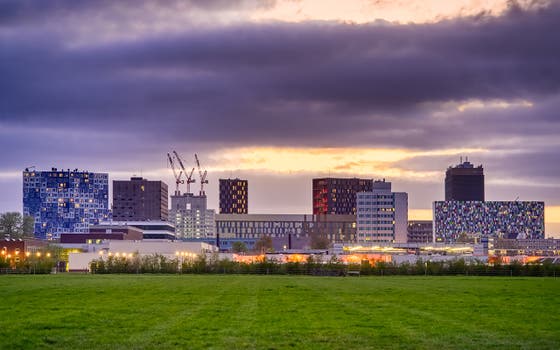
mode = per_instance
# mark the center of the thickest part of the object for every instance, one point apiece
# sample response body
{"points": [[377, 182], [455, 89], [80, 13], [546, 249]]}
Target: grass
{"points": [[278, 312]]}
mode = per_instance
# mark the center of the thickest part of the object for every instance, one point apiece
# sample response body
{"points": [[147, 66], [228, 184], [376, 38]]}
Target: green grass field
{"points": [[278, 312]]}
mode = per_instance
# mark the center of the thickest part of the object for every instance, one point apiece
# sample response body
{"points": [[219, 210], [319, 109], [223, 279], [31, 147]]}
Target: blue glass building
{"points": [[65, 201]]}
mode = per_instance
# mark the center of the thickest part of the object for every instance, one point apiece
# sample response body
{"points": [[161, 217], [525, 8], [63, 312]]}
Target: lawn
{"points": [[278, 312]]}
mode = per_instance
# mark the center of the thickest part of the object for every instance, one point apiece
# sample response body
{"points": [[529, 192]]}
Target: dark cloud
{"points": [[290, 83]]}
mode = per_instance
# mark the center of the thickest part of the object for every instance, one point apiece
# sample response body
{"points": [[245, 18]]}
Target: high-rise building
{"points": [[191, 217], [140, 200], [338, 195], [455, 221], [233, 196], [382, 215], [464, 182], [65, 201]]}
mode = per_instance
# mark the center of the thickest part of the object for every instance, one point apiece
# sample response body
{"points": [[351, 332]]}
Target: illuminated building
{"points": [[464, 182], [191, 217], [338, 195], [65, 201], [382, 214], [233, 196], [140, 200], [455, 220]]}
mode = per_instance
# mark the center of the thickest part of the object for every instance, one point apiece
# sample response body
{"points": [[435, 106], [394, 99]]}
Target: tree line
{"points": [[333, 267]]}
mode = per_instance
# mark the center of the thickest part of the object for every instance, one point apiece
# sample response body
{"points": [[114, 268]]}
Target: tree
{"points": [[264, 244], [239, 247], [11, 224], [28, 226]]}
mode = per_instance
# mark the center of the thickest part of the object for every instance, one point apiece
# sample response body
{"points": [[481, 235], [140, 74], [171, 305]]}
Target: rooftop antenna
{"points": [[461, 159]]}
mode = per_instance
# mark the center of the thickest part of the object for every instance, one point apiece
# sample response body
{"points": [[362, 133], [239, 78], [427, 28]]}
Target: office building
{"points": [[382, 215], [138, 199], [338, 195], [464, 182], [191, 217], [455, 221], [234, 196], [65, 201], [420, 231]]}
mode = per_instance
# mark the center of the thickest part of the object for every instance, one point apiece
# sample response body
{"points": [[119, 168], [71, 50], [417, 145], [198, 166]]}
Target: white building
{"points": [[191, 217], [382, 215], [129, 249]]}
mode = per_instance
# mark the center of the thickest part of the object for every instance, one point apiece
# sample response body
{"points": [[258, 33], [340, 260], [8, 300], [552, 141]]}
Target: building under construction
{"points": [[189, 212]]}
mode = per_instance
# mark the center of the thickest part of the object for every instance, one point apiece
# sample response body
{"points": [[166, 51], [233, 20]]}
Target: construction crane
{"points": [[202, 176], [178, 180], [190, 180]]}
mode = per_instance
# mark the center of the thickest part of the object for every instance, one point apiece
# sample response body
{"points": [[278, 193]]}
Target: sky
{"points": [[280, 92]]}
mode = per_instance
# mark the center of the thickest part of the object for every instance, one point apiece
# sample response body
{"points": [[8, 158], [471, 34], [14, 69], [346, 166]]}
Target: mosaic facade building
{"points": [[65, 201], [500, 219]]}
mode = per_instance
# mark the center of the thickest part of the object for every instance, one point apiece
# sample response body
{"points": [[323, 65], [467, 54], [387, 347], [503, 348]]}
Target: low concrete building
{"points": [[129, 249]]}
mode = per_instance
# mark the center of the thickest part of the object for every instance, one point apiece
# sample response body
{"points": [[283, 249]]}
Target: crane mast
{"points": [[178, 180], [202, 176], [190, 180]]}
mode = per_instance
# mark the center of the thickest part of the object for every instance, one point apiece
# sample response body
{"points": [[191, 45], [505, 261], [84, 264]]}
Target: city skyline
{"points": [[281, 92]]}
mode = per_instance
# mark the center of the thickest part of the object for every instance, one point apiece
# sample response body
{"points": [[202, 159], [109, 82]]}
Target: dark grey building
{"points": [[138, 199], [464, 182], [420, 231], [338, 195], [234, 196]]}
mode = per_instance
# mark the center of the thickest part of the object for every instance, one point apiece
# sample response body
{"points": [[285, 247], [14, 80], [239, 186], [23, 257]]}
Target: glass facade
{"points": [[510, 219], [65, 201]]}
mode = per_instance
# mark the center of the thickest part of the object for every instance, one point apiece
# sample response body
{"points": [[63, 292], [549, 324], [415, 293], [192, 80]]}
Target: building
{"points": [[65, 201], [456, 221], [191, 217], [128, 249], [338, 195], [382, 215], [234, 197], [464, 182], [420, 231], [138, 199], [258, 225], [534, 247], [16, 250], [151, 230], [292, 231]]}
